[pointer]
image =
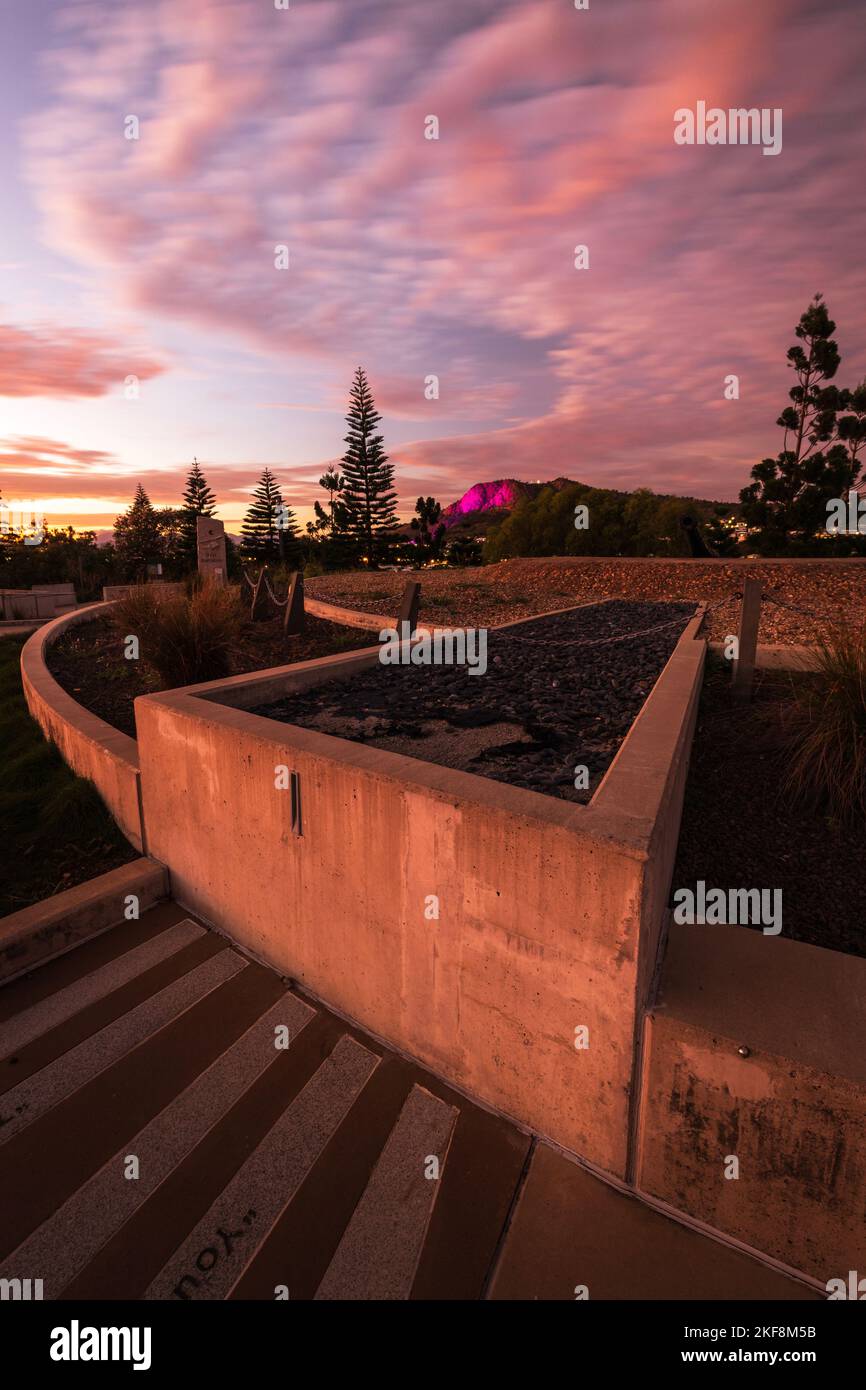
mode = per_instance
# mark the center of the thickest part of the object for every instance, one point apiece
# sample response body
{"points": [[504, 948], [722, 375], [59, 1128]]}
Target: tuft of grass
{"points": [[824, 728], [187, 638]]}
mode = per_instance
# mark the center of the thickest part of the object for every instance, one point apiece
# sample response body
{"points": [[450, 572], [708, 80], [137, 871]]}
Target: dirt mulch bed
{"points": [[88, 661], [741, 829], [544, 705], [496, 594]]}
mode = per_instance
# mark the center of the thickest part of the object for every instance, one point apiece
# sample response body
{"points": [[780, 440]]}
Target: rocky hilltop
{"points": [[500, 495]]}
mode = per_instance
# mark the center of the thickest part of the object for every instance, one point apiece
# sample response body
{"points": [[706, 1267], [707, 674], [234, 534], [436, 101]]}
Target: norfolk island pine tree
{"points": [[368, 494], [269, 530], [198, 500]]}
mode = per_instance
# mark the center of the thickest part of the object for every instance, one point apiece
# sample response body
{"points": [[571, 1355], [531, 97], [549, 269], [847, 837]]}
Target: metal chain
{"points": [[820, 616], [280, 602], [253, 583], [621, 637]]}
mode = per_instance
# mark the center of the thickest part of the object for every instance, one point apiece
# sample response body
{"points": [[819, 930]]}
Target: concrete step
{"points": [[47, 929], [575, 1237], [177, 1124], [163, 1051]]}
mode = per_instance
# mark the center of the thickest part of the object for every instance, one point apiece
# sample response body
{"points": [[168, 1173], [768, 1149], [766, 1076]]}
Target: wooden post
{"points": [[409, 605], [258, 607], [293, 618], [747, 643]]}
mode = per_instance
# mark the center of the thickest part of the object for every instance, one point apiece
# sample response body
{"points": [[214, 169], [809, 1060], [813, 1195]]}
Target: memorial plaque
{"points": [[211, 546]]}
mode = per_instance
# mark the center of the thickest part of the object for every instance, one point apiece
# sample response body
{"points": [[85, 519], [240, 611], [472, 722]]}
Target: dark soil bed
{"points": [[545, 705], [741, 829], [88, 661]]}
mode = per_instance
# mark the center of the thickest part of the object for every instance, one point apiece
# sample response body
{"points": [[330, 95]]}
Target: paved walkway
{"points": [[177, 1124]]}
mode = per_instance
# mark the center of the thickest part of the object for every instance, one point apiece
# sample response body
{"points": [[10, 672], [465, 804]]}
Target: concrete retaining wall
{"points": [[42, 601], [791, 1110], [92, 748], [39, 933], [544, 906], [163, 588]]}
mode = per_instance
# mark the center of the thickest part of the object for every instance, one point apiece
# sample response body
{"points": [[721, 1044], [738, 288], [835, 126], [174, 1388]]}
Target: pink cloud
{"points": [[307, 127], [54, 361]]}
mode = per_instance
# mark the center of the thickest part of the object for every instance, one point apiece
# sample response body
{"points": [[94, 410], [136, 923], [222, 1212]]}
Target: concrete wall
{"points": [[542, 921], [92, 748], [42, 601], [792, 1110], [163, 588]]}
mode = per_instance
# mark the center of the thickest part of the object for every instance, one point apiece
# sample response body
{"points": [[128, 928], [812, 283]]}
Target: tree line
{"points": [[784, 509], [357, 526]]}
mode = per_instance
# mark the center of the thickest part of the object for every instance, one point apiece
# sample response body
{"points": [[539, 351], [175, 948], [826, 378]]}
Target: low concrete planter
{"points": [[549, 912], [92, 748]]}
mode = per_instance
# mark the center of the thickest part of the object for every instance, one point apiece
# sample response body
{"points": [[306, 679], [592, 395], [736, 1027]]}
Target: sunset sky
{"points": [[258, 127]]}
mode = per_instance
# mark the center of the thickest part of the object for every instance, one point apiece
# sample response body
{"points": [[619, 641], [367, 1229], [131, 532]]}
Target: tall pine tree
{"points": [[269, 530], [137, 537], [198, 500], [788, 499], [368, 493]]}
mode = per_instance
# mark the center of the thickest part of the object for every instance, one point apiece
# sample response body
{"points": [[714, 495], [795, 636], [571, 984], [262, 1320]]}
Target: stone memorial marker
{"points": [[211, 547]]}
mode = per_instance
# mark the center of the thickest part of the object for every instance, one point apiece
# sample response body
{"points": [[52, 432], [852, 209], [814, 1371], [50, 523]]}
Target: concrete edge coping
{"points": [[38, 681], [55, 925], [629, 830], [771, 994], [634, 788]]}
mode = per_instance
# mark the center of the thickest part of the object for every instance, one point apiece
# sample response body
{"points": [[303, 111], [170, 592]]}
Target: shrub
{"points": [[825, 728], [186, 637]]}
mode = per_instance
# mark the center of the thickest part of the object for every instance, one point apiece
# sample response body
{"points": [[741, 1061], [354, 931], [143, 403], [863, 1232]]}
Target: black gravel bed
{"points": [[544, 706]]}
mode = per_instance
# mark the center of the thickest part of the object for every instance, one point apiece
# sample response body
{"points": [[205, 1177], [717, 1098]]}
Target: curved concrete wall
{"points": [[92, 748]]}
